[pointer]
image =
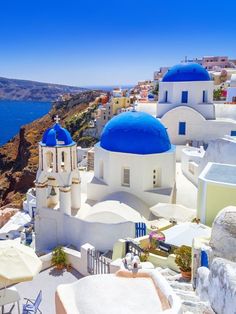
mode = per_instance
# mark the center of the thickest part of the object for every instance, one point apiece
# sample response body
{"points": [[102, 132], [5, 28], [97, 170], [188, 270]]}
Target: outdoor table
{"points": [[8, 296]]}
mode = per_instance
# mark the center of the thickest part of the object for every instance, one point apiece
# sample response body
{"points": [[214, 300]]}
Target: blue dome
{"points": [[57, 136], [135, 133], [186, 72]]}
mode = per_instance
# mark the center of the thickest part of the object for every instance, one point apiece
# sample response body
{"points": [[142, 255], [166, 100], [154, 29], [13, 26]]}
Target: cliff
{"points": [[14, 89], [19, 157]]}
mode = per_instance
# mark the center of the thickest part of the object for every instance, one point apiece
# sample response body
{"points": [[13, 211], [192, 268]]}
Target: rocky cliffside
{"points": [[35, 91], [19, 157]]}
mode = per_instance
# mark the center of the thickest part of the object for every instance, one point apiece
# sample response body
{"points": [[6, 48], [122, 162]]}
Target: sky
{"points": [[109, 42]]}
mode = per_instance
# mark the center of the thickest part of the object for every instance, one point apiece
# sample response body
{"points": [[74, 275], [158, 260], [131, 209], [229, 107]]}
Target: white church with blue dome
{"points": [[134, 169], [186, 107], [135, 156]]}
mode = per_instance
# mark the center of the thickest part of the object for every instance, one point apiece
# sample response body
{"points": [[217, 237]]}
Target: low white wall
{"points": [[178, 152], [102, 236]]}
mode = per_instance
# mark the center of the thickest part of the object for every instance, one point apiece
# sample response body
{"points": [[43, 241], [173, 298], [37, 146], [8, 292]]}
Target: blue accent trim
{"points": [[135, 133], [204, 96], [166, 96], [204, 259], [186, 72], [184, 98], [182, 128], [233, 133], [140, 229]]}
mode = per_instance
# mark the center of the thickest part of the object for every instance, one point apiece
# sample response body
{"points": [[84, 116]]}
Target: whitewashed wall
{"points": [[141, 174], [197, 127]]}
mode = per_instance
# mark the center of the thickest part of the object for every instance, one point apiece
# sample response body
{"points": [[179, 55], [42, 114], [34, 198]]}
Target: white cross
{"points": [[135, 104], [57, 119]]}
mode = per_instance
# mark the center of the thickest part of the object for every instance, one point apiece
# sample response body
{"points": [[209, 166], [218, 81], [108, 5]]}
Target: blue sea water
{"points": [[14, 114]]}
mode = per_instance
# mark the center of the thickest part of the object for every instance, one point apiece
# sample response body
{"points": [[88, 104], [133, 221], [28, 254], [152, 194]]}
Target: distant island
{"points": [[15, 89]]}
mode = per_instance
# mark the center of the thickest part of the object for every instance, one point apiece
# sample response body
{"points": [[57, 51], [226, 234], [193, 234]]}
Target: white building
{"points": [[186, 106], [135, 156], [134, 170], [194, 160], [231, 90]]}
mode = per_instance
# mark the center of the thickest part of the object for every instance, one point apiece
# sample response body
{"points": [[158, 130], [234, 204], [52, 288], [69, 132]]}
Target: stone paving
{"points": [[191, 303]]}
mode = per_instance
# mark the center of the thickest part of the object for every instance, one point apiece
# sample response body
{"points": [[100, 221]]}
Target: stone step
{"points": [[196, 307], [181, 286]]}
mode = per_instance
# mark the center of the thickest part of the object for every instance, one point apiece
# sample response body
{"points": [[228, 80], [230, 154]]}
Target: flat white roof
{"points": [[15, 222], [221, 173]]}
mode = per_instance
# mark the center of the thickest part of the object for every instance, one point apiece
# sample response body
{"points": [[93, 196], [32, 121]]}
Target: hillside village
{"points": [[136, 189]]}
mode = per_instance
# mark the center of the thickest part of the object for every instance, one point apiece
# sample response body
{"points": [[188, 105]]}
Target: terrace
{"points": [[47, 281]]}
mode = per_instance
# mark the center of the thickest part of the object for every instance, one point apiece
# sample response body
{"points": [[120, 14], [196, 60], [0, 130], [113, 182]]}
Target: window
{"points": [[233, 133], [182, 128], [156, 178], [204, 96], [166, 96], [49, 158], [184, 99], [126, 177], [63, 158]]}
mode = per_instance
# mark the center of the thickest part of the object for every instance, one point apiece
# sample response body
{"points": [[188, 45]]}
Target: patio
{"points": [[47, 281]]}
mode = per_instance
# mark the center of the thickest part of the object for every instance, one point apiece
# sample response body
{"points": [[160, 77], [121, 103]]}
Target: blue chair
{"points": [[32, 306]]}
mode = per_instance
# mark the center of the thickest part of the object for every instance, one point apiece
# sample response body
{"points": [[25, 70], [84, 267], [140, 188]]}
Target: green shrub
{"points": [[184, 258], [59, 257]]}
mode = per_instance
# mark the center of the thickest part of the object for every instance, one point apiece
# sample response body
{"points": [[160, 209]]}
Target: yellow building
{"points": [[216, 190], [118, 103]]}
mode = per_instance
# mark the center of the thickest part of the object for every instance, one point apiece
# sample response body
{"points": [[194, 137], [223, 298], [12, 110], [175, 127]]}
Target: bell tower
{"points": [[58, 179]]}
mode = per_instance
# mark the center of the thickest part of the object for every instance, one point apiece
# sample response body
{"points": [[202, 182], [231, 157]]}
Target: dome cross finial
{"points": [[57, 119]]}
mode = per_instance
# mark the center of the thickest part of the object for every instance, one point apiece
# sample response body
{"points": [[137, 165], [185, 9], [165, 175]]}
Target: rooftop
{"points": [[221, 173], [47, 281]]}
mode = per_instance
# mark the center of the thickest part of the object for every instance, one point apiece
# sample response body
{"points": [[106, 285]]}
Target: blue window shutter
{"points": [[166, 96], [184, 99], [204, 96], [182, 128], [233, 133]]}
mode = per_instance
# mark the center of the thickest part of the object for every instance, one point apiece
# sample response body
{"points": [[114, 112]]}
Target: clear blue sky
{"points": [[98, 42]]}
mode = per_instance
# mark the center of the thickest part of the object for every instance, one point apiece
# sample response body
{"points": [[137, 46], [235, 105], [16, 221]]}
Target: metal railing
{"points": [[97, 264]]}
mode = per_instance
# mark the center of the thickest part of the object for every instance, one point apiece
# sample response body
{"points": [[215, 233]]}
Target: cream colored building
{"points": [[216, 190]]}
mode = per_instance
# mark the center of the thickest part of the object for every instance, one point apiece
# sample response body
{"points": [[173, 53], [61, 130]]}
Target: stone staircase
{"points": [[191, 303]]}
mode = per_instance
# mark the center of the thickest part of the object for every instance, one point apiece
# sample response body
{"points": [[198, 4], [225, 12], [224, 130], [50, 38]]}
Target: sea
{"points": [[14, 114]]}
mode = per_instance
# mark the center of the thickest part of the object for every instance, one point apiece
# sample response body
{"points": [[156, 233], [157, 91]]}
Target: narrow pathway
{"points": [[191, 303]]}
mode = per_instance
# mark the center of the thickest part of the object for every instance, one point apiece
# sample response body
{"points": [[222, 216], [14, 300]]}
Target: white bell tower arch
{"points": [[58, 178]]}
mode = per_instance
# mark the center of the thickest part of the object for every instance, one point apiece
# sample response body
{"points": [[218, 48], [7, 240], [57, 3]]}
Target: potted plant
{"points": [[59, 258], [184, 259], [144, 255], [69, 267]]}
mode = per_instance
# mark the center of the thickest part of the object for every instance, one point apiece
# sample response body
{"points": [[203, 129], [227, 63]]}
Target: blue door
{"points": [[233, 133], [182, 128], [184, 99], [140, 229]]}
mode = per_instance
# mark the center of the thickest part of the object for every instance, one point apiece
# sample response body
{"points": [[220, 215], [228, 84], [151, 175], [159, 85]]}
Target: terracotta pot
{"points": [[59, 266], [186, 274]]}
